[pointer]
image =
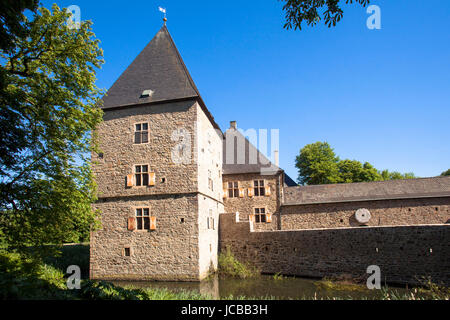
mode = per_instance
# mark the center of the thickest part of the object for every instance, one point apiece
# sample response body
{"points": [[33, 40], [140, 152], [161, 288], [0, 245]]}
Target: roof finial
{"points": [[163, 10]]}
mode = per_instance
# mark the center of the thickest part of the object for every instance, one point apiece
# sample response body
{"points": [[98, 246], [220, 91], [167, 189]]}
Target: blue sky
{"points": [[381, 96]]}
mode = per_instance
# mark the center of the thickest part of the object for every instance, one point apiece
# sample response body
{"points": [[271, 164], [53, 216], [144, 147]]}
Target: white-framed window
{"points": [[260, 215], [259, 188], [141, 133], [141, 174], [142, 218], [233, 189], [210, 221], [210, 181]]}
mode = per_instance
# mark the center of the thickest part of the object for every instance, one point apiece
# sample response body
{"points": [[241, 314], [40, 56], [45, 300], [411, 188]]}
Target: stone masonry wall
{"points": [[383, 213], [209, 159], [182, 247], [402, 252], [246, 205], [168, 253], [120, 154]]}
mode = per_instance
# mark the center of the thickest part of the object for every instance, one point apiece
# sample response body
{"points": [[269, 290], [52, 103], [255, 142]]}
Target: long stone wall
{"points": [[383, 213], [403, 253]]}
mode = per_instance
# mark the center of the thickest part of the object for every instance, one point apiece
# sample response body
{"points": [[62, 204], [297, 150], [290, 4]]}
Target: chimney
{"points": [[233, 125], [276, 156]]}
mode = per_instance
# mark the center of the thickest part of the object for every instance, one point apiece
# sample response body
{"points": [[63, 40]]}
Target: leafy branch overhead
{"points": [[313, 11]]}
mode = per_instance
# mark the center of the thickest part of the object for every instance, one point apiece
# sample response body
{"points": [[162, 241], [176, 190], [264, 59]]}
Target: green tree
{"points": [[446, 173], [395, 175], [317, 164], [313, 11], [350, 171], [49, 108], [354, 171], [370, 173]]}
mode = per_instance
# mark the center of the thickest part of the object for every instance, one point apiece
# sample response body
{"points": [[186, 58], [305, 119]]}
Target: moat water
{"points": [[268, 286]]}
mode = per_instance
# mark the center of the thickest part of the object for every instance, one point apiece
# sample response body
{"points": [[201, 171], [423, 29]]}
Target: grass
{"points": [[278, 276], [24, 279], [340, 285]]}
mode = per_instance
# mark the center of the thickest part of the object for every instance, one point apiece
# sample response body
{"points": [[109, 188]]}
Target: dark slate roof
{"points": [[289, 182], [380, 190], [159, 68], [247, 160]]}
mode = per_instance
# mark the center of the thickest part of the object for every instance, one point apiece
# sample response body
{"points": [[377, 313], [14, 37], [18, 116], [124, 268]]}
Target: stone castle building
{"points": [[167, 174]]}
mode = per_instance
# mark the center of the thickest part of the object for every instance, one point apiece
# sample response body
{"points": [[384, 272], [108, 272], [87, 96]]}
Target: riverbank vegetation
{"points": [[23, 278], [229, 266]]}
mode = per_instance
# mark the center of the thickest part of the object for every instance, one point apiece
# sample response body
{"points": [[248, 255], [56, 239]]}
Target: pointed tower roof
{"points": [[157, 75], [159, 70]]}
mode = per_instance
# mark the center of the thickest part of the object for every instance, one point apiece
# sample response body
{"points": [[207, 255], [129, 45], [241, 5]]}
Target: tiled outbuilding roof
{"points": [[379, 190]]}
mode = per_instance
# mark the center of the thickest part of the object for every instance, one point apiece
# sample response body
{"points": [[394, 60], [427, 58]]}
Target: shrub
{"points": [[231, 267]]}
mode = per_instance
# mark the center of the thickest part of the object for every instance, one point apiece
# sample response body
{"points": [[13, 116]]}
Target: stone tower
{"points": [[159, 173]]}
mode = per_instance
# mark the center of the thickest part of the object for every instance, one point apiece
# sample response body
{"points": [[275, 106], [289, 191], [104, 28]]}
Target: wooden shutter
{"points": [[152, 179], [129, 180], [225, 193], [251, 192], [131, 224], [268, 217], [251, 218], [241, 192], [152, 223], [267, 191]]}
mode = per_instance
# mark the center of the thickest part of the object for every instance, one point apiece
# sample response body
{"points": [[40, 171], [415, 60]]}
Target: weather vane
{"points": [[163, 10]]}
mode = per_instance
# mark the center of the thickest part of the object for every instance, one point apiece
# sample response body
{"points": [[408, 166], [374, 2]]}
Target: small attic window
{"points": [[147, 93]]}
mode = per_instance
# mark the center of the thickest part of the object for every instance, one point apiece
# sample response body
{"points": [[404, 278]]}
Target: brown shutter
{"points": [[129, 180], [241, 192], [251, 218], [131, 224], [251, 192], [267, 191], [152, 223], [225, 193], [268, 217], [152, 179]]}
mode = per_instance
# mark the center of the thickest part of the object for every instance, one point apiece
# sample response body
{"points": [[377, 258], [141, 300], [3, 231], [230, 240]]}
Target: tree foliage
{"points": [[49, 107], [445, 173], [313, 11], [317, 163], [13, 21]]}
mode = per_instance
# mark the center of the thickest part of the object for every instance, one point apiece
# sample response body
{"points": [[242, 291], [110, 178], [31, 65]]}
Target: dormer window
{"points": [[141, 133], [147, 94]]}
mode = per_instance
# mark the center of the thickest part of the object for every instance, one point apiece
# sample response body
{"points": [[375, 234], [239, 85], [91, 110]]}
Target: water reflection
{"points": [[263, 286]]}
